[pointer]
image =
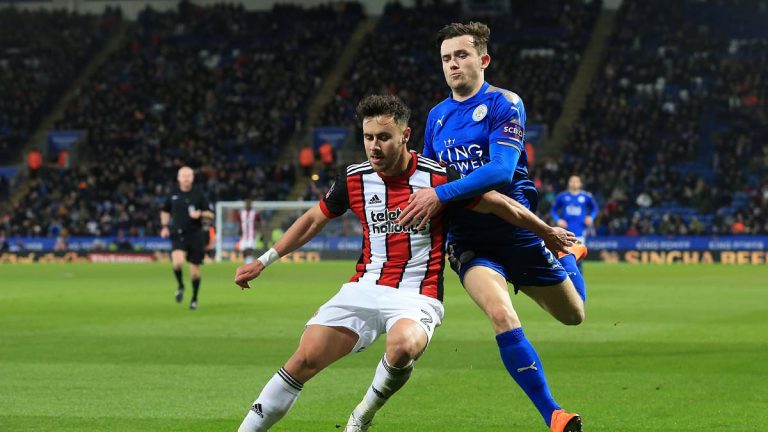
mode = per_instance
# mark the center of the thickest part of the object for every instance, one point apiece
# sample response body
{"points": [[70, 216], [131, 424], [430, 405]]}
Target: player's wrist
{"points": [[269, 257], [441, 194]]}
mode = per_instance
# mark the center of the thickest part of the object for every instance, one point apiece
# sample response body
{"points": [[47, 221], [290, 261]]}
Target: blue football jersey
{"points": [[460, 134], [573, 209]]}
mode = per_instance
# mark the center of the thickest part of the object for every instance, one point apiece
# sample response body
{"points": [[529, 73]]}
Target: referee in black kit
{"points": [[186, 208]]}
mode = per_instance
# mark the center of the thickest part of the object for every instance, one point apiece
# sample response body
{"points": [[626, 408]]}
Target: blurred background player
{"points": [[182, 219], [575, 209], [479, 130], [250, 230]]}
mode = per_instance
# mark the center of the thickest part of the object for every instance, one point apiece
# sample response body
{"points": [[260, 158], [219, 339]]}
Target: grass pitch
{"points": [[87, 347]]}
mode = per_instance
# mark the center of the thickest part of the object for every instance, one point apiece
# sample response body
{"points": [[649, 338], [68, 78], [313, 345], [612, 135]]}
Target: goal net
{"points": [[340, 239]]}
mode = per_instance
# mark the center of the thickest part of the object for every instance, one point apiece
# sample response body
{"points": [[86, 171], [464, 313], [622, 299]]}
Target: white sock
{"points": [[249, 259], [386, 382], [277, 397]]}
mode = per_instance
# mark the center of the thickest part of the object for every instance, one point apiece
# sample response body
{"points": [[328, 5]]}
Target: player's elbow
{"points": [[501, 177]]}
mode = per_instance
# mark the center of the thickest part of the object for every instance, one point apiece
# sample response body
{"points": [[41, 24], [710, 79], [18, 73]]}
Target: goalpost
{"points": [[274, 217]]}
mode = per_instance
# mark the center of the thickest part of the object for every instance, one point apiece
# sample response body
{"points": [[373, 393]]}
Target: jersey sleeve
{"points": [[336, 200], [508, 123], [166, 205]]}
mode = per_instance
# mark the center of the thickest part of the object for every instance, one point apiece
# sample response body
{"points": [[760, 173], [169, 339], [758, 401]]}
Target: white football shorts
{"points": [[371, 310]]}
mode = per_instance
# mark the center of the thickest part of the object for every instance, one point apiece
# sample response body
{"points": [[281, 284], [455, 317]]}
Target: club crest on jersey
{"points": [[480, 112]]}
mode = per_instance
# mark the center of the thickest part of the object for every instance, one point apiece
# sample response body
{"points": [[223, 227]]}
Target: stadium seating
{"points": [[535, 50], [675, 123], [39, 57], [217, 88]]}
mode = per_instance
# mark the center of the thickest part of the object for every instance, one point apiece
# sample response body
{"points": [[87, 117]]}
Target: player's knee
{"points": [[303, 366], [573, 317], [502, 318], [403, 348]]}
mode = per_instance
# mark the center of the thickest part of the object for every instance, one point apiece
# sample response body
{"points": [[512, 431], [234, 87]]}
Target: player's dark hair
{"points": [[388, 105], [479, 32]]}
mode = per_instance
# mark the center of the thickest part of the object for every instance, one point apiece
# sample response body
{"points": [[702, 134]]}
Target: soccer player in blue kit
{"points": [[574, 209], [479, 130]]}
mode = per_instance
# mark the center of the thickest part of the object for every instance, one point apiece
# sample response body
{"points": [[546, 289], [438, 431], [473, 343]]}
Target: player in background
{"points": [[479, 129], [398, 285], [182, 219], [574, 209], [250, 226]]}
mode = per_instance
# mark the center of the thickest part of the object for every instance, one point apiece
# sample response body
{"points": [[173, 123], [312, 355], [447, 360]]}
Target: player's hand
{"points": [[195, 214], [165, 232], [559, 240], [422, 205], [247, 273], [588, 221], [562, 223]]}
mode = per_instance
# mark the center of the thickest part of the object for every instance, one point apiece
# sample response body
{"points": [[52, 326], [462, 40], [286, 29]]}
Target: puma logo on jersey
{"points": [[531, 367], [440, 120]]}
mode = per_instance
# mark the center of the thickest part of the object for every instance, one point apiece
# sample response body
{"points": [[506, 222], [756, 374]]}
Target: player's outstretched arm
{"points": [[303, 230], [555, 238]]}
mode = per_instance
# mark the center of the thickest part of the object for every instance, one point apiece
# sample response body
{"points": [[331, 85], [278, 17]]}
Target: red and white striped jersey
{"points": [[249, 220], [393, 256]]}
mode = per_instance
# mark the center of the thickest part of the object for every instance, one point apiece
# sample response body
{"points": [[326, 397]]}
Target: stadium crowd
{"points": [[40, 55], [210, 87], [535, 50], [671, 140]]}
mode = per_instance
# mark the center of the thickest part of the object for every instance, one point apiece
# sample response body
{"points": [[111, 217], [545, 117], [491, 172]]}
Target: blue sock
{"points": [[569, 263], [524, 365]]}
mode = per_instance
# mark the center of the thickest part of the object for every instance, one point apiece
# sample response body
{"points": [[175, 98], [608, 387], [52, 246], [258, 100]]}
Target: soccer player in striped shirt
{"points": [[479, 130], [397, 288]]}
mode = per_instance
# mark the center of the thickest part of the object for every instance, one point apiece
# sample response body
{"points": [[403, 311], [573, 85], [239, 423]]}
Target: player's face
{"points": [[385, 144], [186, 177], [574, 183], [462, 65]]}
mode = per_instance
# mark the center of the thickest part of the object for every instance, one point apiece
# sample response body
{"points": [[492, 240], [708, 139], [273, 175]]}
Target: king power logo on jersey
{"points": [[383, 222], [463, 158]]}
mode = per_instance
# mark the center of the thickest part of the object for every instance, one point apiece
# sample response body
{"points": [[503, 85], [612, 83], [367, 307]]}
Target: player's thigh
{"points": [[318, 348], [489, 290], [178, 256], [561, 300]]}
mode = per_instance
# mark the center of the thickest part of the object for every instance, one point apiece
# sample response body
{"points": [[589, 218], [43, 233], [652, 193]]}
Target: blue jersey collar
{"points": [[471, 100]]}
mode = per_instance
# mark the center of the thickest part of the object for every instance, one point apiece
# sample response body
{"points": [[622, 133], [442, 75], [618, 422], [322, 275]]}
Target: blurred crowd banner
{"points": [[334, 135], [634, 250]]}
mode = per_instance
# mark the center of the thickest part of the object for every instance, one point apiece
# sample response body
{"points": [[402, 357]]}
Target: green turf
{"points": [[103, 347]]}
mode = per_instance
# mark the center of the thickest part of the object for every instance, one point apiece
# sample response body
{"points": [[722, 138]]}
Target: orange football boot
{"points": [[565, 422], [579, 250]]}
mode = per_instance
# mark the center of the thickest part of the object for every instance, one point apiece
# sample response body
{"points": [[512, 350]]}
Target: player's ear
{"points": [[406, 135], [485, 60]]}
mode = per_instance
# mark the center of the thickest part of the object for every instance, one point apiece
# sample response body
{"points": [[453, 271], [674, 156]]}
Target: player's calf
{"points": [[274, 402], [406, 340]]}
